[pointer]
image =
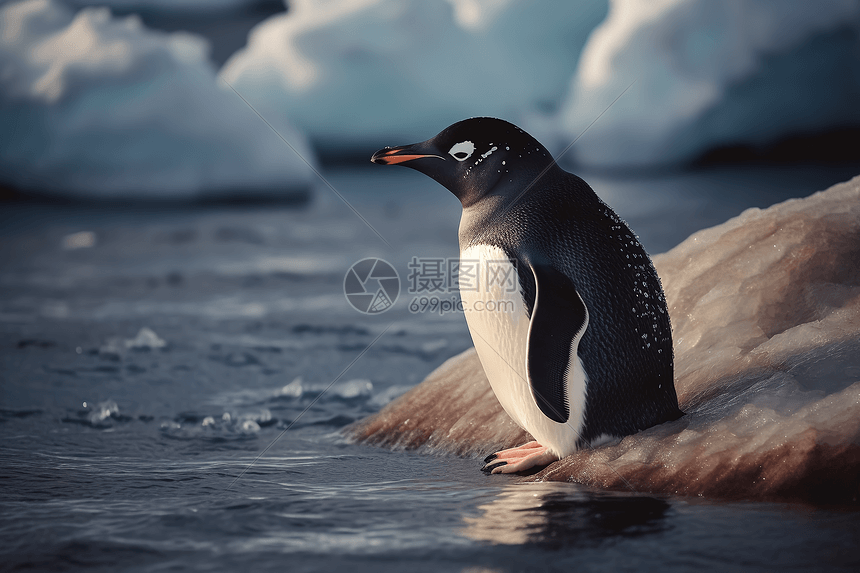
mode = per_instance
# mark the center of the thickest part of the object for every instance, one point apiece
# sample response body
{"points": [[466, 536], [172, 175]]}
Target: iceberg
{"points": [[359, 73], [765, 311], [704, 74], [98, 107]]}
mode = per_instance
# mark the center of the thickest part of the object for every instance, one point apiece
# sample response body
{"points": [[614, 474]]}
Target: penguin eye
{"points": [[462, 151]]}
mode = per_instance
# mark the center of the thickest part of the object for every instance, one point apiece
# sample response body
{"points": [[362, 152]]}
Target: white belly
{"points": [[499, 326]]}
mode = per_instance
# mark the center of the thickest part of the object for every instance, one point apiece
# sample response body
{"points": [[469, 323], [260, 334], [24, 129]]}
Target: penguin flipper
{"points": [[559, 319]]}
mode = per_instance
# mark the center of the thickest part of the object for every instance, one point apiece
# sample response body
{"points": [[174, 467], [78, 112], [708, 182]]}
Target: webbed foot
{"points": [[518, 459]]}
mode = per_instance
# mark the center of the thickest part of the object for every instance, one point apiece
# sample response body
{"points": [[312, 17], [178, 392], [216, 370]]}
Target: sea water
{"points": [[175, 382]]}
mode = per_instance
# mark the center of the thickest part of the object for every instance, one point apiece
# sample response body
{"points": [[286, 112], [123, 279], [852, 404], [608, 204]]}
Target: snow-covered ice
{"points": [[707, 73], [95, 106], [711, 73], [360, 73]]}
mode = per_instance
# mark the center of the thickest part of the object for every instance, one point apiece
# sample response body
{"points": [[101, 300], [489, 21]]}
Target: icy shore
{"points": [[765, 311]]}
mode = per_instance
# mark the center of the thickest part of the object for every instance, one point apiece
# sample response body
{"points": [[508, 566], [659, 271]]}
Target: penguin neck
{"points": [[498, 180], [483, 219]]}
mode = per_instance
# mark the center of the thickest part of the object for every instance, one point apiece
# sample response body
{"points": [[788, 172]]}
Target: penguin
{"points": [[564, 305]]}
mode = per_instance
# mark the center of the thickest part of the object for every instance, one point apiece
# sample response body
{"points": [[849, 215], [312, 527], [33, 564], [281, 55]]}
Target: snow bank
{"points": [[765, 312], [99, 107], [711, 73], [360, 73], [355, 73]]}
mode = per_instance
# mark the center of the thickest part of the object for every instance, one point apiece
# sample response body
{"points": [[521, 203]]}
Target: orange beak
{"points": [[395, 155]]}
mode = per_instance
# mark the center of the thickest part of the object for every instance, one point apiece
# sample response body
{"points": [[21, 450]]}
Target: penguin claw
{"points": [[488, 468], [518, 459]]}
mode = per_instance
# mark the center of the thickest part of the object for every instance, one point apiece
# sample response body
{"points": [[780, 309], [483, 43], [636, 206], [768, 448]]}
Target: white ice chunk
{"points": [[101, 107], [709, 73], [102, 411], [146, 339], [81, 240], [365, 72]]}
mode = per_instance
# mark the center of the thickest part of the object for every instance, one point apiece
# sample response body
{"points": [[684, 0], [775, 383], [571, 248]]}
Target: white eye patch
{"points": [[462, 151]]}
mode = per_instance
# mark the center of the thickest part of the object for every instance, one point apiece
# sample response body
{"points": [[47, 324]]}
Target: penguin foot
{"points": [[518, 459]]}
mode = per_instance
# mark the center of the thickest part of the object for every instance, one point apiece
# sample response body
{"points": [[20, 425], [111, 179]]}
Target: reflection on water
{"points": [[557, 515]]}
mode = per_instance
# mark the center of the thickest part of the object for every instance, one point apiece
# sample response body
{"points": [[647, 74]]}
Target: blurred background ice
{"points": [[133, 98], [357, 74], [99, 106], [712, 74]]}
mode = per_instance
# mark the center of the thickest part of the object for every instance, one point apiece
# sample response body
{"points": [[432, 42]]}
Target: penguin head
{"points": [[472, 157]]}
